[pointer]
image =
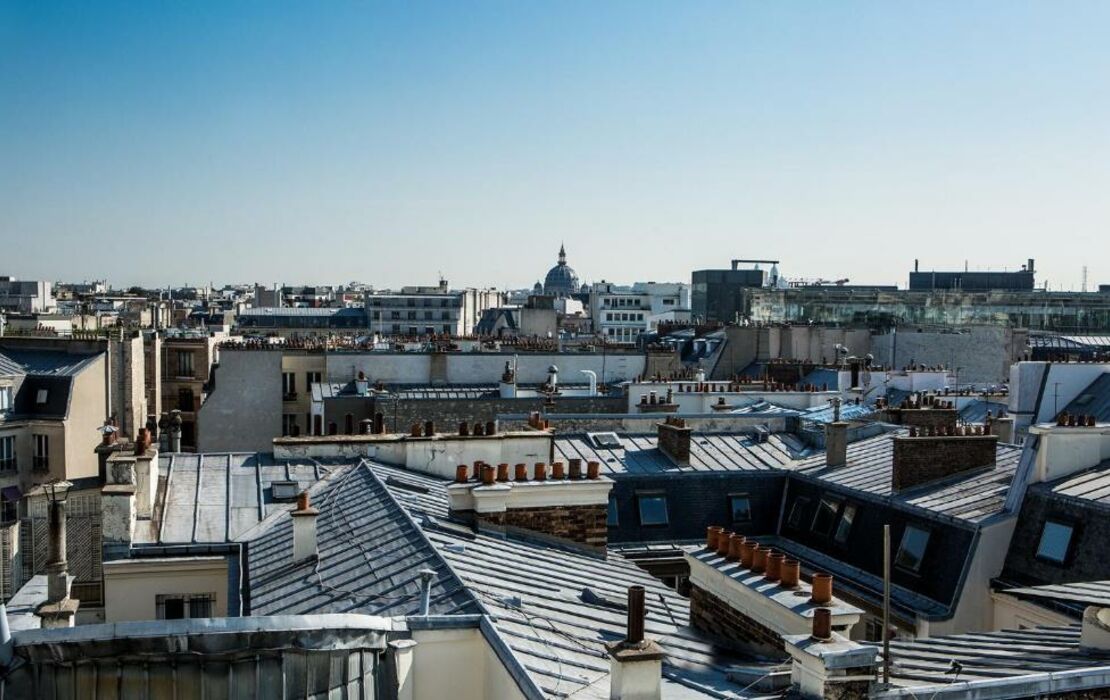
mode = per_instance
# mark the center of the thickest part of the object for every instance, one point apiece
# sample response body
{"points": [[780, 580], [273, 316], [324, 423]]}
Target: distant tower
{"points": [[1084, 289]]}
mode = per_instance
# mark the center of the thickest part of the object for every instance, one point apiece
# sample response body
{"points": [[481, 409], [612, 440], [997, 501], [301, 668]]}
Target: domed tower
{"points": [[561, 280]]}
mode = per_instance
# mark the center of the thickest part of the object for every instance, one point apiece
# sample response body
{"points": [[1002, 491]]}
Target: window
{"points": [[798, 512], [184, 363], [844, 525], [349, 424], [5, 398], [653, 509], [1055, 541], [912, 549], [288, 386], [181, 607], [427, 315], [7, 453], [395, 315], [311, 378], [41, 395], [289, 425], [185, 400], [741, 507], [611, 517], [41, 461], [823, 520]]}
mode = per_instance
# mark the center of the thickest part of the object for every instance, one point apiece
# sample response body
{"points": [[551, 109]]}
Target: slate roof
{"points": [[217, 497], [57, 388], [1094, 400], [56, 363], [974, 496], [990, 655], [1091, 485], [849, 411], [370, 557], [638, 454], [1073, 596], [557, 608], [976, 411]]}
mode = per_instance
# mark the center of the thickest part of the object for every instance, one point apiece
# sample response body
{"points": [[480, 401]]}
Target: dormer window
{"points": [[912, 550]]}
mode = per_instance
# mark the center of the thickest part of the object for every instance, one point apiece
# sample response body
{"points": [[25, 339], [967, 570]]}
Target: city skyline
{"points": [[173, 144]]}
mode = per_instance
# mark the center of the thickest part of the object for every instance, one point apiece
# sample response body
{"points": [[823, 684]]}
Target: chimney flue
{"points": [[635, 632], [304, 529]]}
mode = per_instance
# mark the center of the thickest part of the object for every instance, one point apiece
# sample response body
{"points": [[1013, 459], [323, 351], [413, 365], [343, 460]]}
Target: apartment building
{"points": [[417, 311], [622, 314]]}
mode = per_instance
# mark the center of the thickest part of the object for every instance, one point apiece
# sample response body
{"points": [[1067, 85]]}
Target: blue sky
{"points": [[183, 142]]}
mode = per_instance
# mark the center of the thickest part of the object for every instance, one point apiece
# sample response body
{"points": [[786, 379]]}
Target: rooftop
{"points": [[1092, 485], [970, 496], [639, 454]]}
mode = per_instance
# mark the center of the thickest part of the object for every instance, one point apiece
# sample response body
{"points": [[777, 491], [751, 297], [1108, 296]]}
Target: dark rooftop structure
{"points": [[1021, 280]]}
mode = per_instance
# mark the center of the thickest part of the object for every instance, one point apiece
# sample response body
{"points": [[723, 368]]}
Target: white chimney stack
{"points": [[304, 529]]}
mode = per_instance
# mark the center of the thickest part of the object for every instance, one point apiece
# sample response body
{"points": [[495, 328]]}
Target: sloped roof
{"points": [[557, 608], [973, 496], [639, 454], [1094, 400], [1091, 485], [1073, 596], [217, 497], [989, 655], [56, 363], [370, 557]]}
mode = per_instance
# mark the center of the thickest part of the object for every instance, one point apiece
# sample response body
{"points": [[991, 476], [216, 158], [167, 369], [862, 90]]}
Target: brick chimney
{"points": [[921, 459], [674, 439], [304, 529], [566, 510], [635, 662]]}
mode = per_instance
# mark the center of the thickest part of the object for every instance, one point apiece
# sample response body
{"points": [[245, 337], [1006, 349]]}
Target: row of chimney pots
{"points": [[487, 474]]}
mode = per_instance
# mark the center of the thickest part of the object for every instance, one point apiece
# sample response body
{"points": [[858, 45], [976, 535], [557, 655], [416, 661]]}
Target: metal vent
{"points": [[284, 490], [608, 441]]}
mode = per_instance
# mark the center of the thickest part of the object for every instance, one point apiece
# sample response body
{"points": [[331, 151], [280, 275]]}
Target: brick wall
{"points": [[923, 417], [581, 524], [674, 441], [711, 614], [920, 460]]}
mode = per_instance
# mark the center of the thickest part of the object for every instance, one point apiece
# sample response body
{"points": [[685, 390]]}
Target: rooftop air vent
{"points": [[284, 490], [607, 441]]}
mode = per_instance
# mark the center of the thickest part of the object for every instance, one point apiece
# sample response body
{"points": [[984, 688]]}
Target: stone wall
{"points": [[920, 460], [711, 614]]}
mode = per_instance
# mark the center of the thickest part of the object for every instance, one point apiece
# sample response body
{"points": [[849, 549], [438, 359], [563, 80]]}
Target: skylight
{"points": [[607, 441]]}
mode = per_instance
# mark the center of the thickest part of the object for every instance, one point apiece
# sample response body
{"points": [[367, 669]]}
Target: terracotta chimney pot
{"points": [[822, 589], [503, 472], [521, 472], [593, 470], [735, 542], [774, 566], [712, 533], [541, 471], [759, 560], [461, 472], [789, 573], [747, 551], [822, 624], [557, 472]]}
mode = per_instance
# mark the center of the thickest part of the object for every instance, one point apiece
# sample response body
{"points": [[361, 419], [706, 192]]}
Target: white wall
{"points": [[458, 664]]}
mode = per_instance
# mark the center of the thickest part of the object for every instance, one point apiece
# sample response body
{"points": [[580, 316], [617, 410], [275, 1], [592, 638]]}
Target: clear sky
{"points": [[185, 142]]}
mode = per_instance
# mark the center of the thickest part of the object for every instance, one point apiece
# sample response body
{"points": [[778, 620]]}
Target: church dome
{"points": [[561, 280]]}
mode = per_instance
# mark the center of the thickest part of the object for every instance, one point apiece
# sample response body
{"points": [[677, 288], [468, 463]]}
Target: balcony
{"points": [[8, 465], [40, 463], [289, 396]]}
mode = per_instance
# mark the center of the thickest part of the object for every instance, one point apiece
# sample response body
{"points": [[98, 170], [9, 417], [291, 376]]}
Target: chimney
{"points": [[304, 529], [836, 444], [674, 439], [636, 663], [921, 459], [1003, 427], [59, 610], [826, 664], [175, 431]]}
